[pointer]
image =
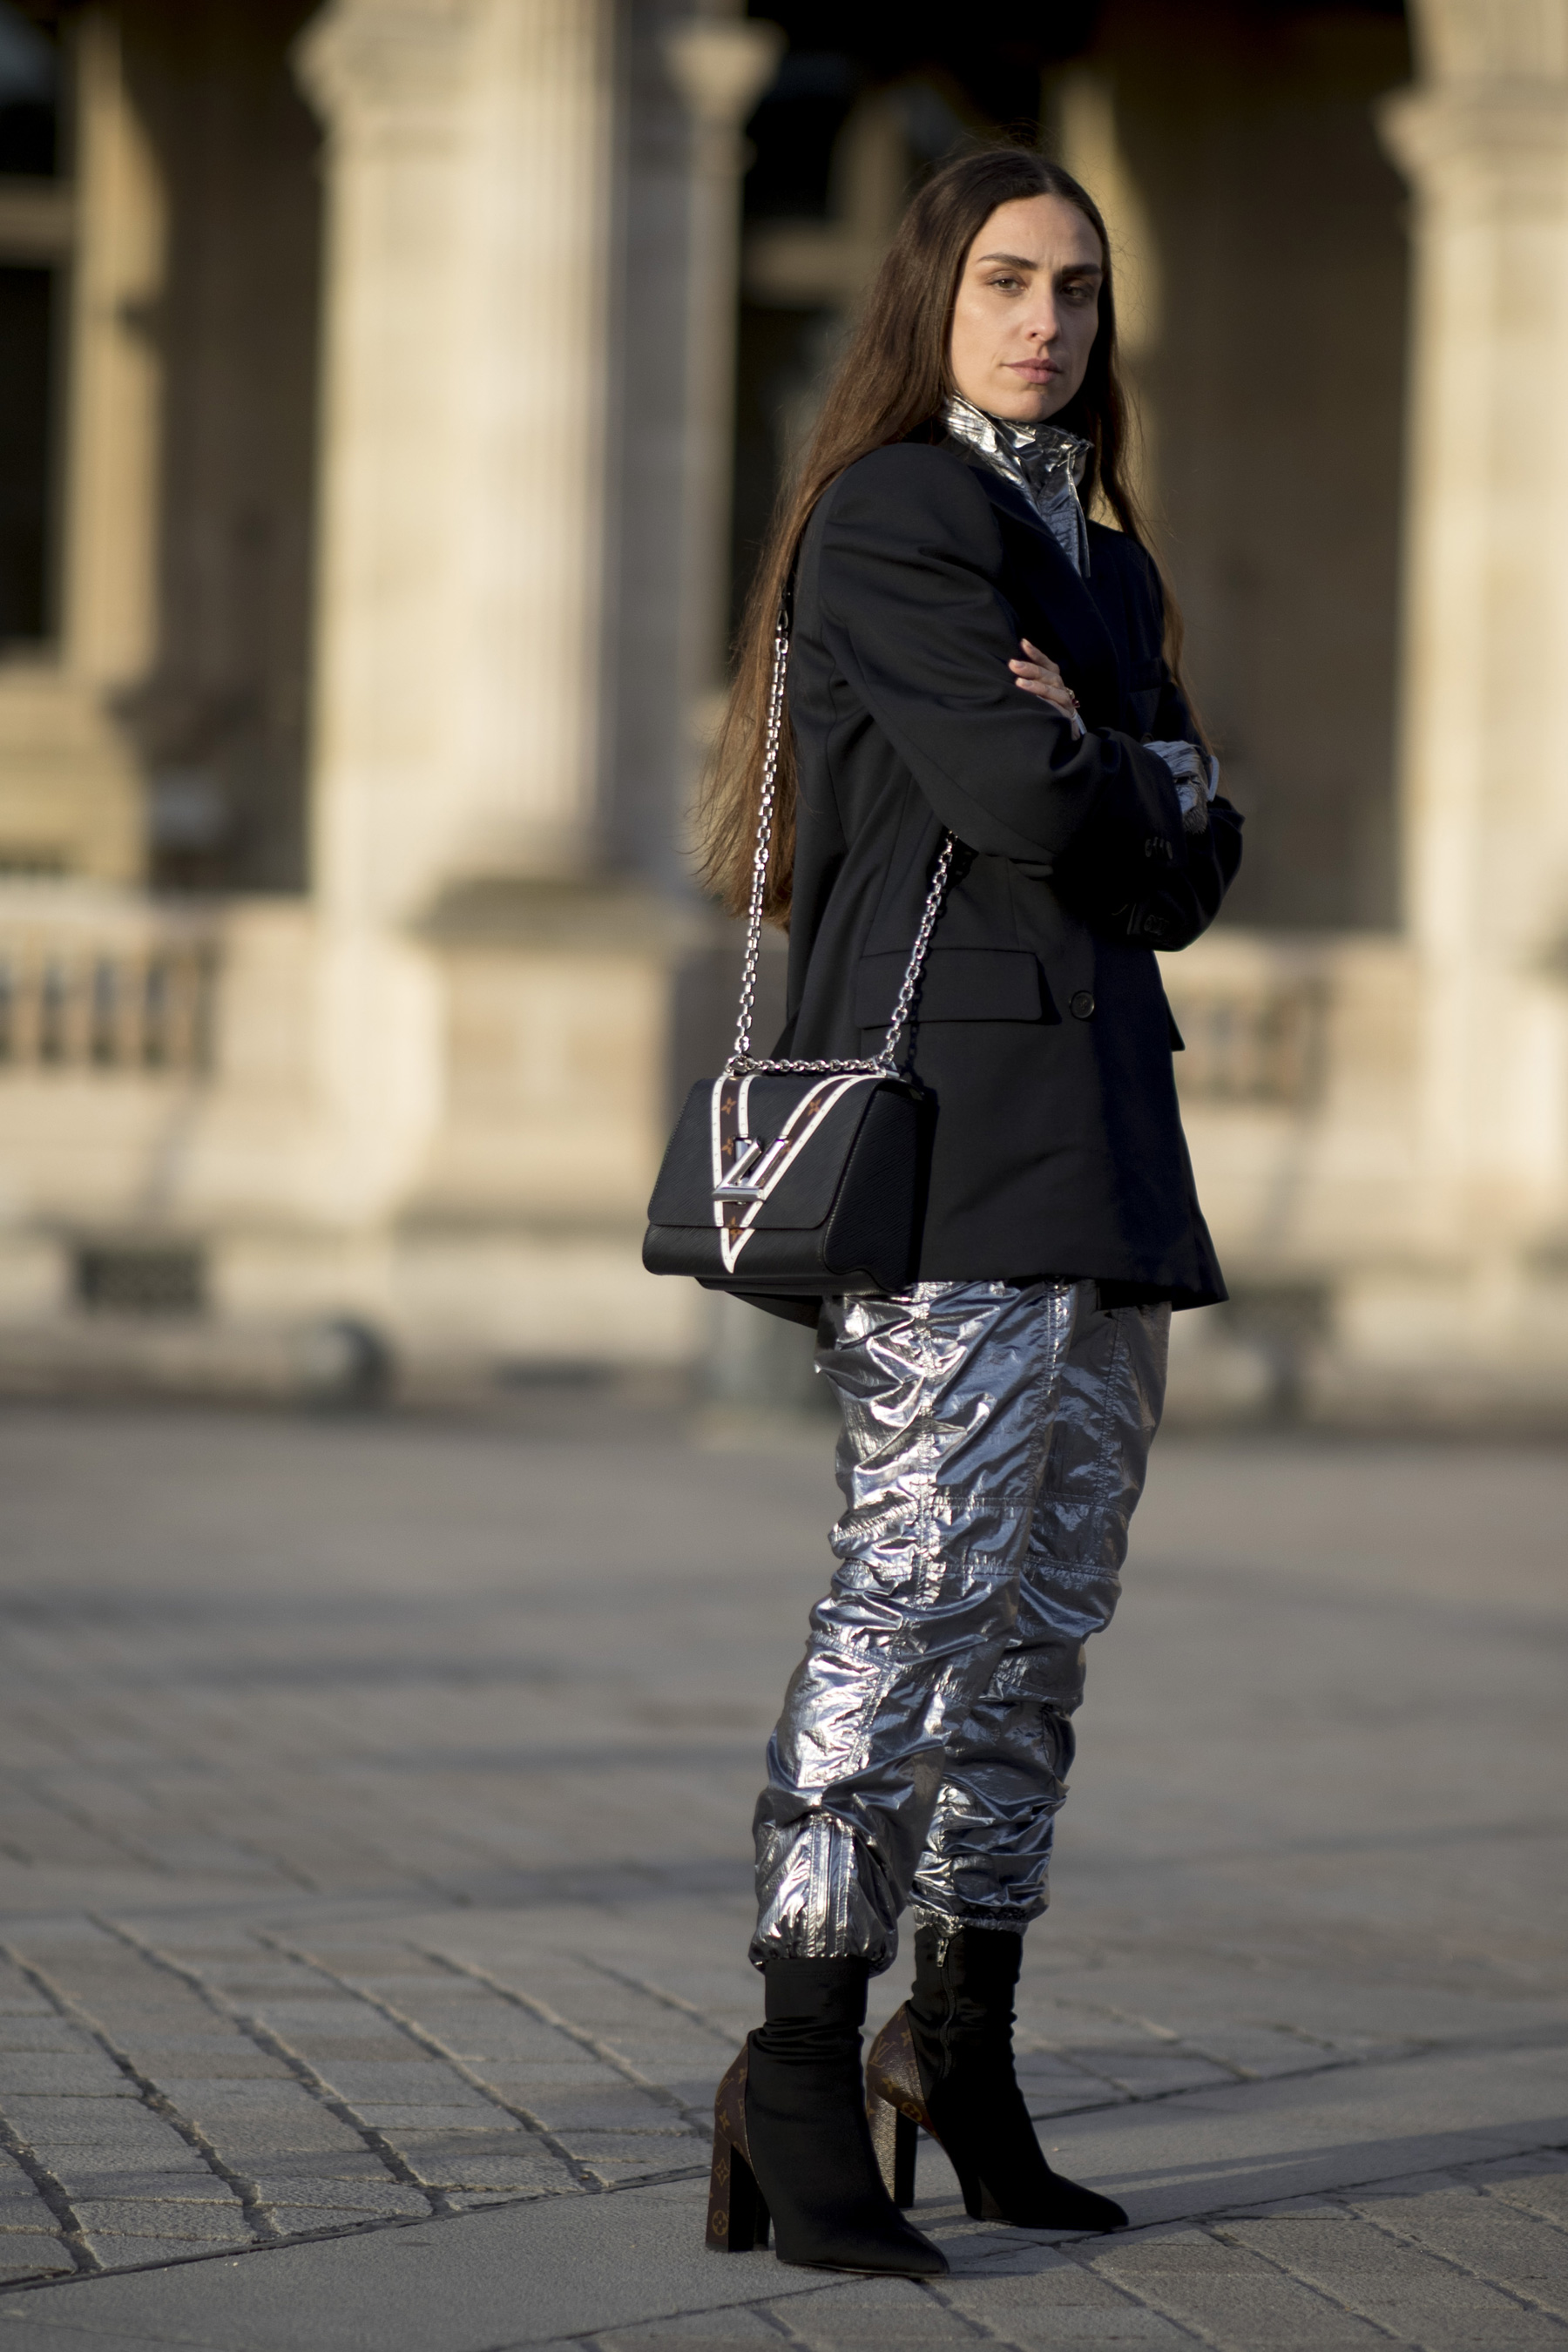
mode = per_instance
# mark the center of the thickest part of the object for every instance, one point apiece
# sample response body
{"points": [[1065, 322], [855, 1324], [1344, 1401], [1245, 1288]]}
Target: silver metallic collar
{"points": [[1042, 460]]}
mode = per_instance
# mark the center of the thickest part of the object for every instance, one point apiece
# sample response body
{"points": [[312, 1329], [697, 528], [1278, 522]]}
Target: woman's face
{"points": [[1027, 310]]}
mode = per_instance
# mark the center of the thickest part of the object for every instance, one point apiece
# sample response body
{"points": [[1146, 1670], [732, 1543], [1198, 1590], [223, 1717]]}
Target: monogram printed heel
{"points": [[895, 2139], [738, 2218], [896, 2108]]}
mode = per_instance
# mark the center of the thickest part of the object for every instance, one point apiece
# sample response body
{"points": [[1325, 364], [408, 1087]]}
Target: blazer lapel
{"points": [[1052, 600]]}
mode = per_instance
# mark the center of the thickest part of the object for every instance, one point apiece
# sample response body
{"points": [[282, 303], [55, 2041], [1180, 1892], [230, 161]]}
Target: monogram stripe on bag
{"points": [[745, 1173]]}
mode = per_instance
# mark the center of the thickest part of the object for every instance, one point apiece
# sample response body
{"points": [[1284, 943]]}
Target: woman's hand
{"points": [[1038, 674]]}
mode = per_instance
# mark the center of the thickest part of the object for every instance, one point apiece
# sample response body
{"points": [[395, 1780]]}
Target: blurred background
{"points": [[392, 394]]}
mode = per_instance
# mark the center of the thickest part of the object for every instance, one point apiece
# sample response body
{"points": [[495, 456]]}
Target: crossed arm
{"points": [[911, 558]]}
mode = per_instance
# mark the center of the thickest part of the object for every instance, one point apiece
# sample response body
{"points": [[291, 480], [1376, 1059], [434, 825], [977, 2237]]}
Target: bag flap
{"points": [[821, 1114], [683, 1189], [957, 984]]}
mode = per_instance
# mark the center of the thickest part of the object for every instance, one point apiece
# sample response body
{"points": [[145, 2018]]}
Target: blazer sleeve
{"points": [[1179, 886], [1180, 905], [910, 583]]}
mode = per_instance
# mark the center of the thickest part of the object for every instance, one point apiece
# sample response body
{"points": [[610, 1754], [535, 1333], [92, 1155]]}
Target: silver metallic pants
{"points": [[996, 1440]]}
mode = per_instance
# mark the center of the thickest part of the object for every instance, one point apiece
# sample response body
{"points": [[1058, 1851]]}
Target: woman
{"points": [[968, 653]]}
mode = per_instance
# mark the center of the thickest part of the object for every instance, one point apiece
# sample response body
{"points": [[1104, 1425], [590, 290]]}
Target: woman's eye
{"points": [[1006, 284]]}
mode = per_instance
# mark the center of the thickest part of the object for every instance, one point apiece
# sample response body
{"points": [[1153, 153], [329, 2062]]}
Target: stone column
{"points": [[720, 65], [470, 167], [70, 787], [117, 388], [1483, 137], [459, 662]]}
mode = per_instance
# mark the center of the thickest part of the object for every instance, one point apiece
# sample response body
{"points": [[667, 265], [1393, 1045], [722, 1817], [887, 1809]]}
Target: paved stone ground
{"points": [[374, 1896]]}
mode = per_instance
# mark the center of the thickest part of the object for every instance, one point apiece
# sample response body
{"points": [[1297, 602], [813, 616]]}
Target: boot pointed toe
{"points": [[874, 2251], [1085, 2209], [1054, 2204]]}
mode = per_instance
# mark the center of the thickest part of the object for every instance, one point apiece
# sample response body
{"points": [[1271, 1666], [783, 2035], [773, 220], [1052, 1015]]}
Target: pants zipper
{"points": [[950, 2017]]}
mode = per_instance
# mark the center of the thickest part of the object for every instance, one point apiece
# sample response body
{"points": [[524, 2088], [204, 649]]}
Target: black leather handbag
{"points": [[796, 1179]]}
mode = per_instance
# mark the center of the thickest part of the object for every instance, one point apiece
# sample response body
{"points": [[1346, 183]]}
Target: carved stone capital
{"points": [[721, 66], [390, 68], [1459, 42], [1483, 148]]}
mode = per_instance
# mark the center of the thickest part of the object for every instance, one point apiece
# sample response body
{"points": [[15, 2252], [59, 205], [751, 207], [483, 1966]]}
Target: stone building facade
{"points": [[396, 388]]}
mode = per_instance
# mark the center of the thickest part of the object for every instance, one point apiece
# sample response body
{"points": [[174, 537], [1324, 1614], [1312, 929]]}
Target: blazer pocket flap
{"points": [[957, 984]]}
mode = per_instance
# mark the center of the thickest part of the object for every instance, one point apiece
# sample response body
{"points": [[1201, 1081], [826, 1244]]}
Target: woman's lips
{"points": [[1034, 371]]}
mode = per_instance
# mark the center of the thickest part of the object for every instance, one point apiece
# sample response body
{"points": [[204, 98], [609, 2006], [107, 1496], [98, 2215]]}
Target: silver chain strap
{"points": [[741, 1061]]}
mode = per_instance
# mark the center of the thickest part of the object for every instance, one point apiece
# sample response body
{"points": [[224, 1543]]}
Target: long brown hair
{"points": [[892, 378]]}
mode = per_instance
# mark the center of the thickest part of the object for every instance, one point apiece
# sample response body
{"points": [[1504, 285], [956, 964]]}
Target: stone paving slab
{"points": [[628, 2270], [373, 1898]]}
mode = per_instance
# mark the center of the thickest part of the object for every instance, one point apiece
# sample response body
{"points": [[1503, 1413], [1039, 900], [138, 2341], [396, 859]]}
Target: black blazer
{"points": [[1042, 1033]]}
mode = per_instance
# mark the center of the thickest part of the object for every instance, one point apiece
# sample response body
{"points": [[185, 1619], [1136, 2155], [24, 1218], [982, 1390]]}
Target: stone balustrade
{"points": [[1251, 1040], [105, 985]]}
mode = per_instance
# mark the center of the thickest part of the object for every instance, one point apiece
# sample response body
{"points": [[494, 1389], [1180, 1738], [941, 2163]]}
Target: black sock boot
{"points": [[945, 2062], [791, 2140]]}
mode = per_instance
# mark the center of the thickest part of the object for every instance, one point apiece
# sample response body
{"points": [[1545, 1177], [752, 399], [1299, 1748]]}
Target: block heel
{"points": [[738, 2217], [895, 2136]]}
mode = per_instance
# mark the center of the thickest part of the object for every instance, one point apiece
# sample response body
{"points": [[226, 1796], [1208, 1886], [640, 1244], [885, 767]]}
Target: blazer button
{"points": [[1081, 1004]]}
